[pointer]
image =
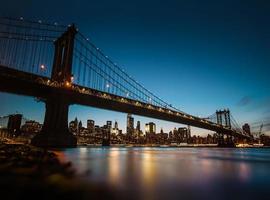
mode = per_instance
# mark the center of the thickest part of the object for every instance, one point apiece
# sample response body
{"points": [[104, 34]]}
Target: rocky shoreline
{"points": [[30, 172]]}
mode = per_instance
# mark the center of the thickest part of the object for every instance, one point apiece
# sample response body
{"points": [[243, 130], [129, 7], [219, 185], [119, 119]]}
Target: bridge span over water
{"points": [[62, 67]]}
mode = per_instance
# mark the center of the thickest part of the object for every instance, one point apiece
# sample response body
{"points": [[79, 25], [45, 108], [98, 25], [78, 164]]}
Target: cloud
{"points": [[246, 100]]}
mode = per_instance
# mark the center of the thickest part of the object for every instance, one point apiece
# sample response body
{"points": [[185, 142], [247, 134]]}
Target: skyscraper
{"points": [[91, 125], [150, 127], [130, 124], [115, 125], [246, 128], [138, 127]]}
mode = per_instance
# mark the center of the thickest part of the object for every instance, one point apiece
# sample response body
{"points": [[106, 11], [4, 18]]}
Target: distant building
{"points": [[150, 128], [31, 127], [115, 125], [80, 127], [138, 127], [14, 124], [130, 124], [91, 125], [138, 131], [115, 130], [109, 124], [73, 126], [246, 128]]}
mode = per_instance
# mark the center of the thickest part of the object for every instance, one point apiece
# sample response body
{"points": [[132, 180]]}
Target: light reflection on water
{"points": [[186, 173]]}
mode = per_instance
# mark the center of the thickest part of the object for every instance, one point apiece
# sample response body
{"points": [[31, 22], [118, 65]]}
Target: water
{"points": [[176, 173]]}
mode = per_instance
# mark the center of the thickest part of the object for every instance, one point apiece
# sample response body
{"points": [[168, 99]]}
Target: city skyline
{"points": [[228, 60]]}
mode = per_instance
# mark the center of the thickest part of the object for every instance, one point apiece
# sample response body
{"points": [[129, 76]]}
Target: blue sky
{"points": [[198, 55]]}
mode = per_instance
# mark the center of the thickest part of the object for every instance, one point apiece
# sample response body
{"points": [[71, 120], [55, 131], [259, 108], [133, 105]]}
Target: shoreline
{"points": [[165, 146], [29, 172]]}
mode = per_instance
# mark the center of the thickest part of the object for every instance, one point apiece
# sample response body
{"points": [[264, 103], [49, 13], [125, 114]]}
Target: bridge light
{"points": [[107, 85], [72, 78], [42, 67]]}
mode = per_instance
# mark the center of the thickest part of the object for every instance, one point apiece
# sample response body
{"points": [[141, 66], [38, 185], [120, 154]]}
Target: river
{"points": [[175, 173]]}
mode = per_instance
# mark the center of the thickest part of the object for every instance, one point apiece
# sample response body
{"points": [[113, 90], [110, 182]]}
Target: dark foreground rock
{"points": [[28, 172]]}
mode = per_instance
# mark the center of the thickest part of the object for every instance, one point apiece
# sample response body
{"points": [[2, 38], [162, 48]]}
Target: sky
{"points": [[197, 55]]}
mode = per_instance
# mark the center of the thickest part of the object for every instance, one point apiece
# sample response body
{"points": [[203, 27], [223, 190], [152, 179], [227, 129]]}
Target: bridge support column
{"points": [[55, 131]]}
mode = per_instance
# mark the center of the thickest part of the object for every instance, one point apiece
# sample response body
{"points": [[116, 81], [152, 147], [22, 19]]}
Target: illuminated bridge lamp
{"points": [[72, 78], [42, 67]]}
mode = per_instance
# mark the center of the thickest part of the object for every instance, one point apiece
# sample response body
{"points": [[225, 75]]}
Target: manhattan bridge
{"points": [[60, 66]]}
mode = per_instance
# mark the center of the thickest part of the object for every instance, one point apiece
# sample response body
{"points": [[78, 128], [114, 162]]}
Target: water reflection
{"points": [[160, 173]]}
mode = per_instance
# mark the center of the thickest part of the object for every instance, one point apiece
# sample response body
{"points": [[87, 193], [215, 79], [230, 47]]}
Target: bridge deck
{"points": [[23, 83]]}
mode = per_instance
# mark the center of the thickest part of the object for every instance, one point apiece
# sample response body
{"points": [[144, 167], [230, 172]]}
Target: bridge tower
{"points": [[223, 118], [55, 131]]}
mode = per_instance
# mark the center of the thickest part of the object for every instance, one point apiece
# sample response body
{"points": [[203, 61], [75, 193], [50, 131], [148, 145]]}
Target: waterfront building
{"points": [[246, 128], [150, 128], [91, 125], [130, 125], [150, 132], [73, 126], [31, 127], [115, 130], [79, 128]]}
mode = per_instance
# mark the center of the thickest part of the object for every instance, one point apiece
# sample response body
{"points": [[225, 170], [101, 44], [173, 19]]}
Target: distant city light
{"points": [[68, 84]]}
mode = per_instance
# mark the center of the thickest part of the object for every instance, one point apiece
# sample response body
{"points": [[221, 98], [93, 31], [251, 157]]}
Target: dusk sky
{"points": [[197, 55]]}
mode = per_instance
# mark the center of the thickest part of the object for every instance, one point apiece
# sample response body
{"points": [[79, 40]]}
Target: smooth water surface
{"points": [[176, 173]]}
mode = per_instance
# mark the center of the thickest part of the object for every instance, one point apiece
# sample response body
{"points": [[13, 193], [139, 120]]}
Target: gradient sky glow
{"points": [[198, 55]]}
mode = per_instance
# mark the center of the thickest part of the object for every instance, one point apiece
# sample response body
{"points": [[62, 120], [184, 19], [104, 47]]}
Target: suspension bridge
{"points": [[61, 66]]}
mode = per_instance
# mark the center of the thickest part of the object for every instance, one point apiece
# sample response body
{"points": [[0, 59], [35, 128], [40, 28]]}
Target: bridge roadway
{"points": [[23, 83]]}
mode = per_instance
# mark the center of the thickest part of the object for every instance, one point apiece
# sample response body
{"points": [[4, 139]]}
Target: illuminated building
{"points": [[91, 125], [115, 130], [150, 128], [130, 125]]}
